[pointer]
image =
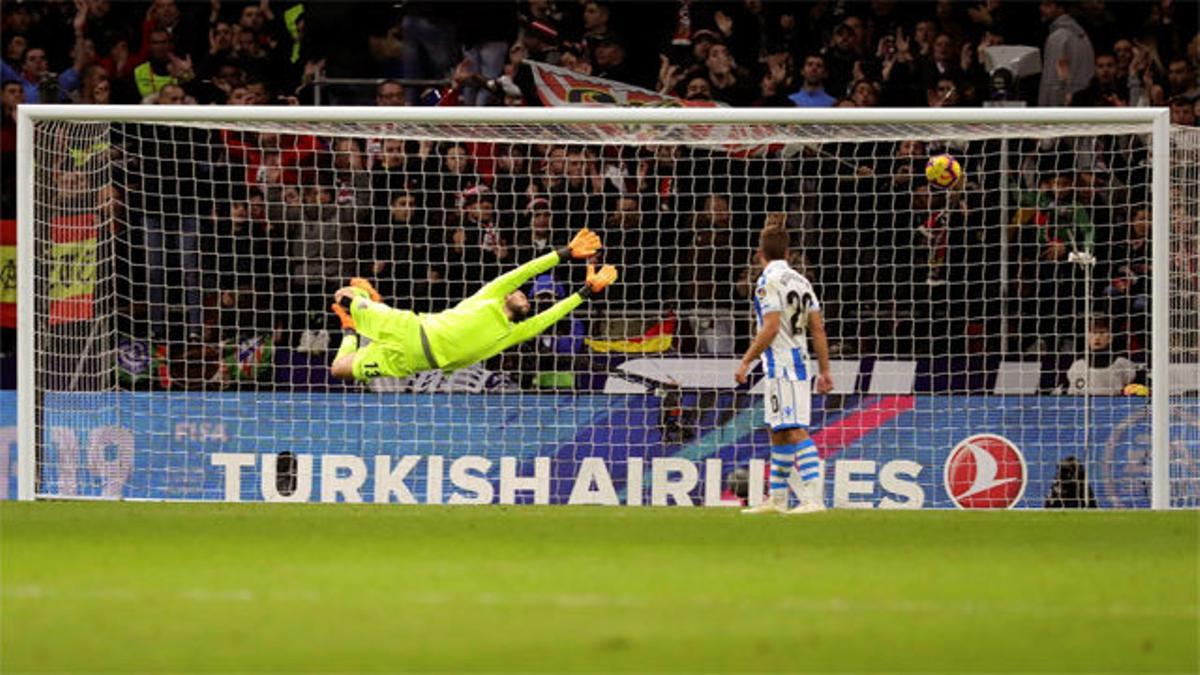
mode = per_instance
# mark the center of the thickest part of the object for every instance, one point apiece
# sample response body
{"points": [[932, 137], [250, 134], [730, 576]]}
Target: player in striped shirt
{"points": [[786, 311]]}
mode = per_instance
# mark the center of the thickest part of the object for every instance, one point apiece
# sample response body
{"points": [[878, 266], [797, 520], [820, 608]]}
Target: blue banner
{"points": [[880, 452], [8, 444]]}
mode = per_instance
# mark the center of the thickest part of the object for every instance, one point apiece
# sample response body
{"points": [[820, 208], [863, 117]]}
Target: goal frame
{"points": [[1157, 118]]}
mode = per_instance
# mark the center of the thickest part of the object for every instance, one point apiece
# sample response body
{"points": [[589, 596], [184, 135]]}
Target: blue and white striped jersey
{"points": [[782, 289]]}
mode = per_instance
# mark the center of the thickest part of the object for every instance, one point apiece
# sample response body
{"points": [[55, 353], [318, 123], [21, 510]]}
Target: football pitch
{"points": [[285, 588]]}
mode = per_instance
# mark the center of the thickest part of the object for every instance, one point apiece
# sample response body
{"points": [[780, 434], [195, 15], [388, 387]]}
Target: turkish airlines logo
{"points": [[985, 471]]}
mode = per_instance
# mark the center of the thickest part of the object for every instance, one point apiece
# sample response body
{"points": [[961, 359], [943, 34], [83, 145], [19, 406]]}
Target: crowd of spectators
{"points": [[256, 228], [814, 54]]}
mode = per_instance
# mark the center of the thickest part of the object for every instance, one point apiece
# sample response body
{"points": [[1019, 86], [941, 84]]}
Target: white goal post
{"points": [[803, 135]]}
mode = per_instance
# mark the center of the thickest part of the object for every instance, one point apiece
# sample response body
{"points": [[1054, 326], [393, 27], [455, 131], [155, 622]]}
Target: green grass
{"points": [[152, 587]]}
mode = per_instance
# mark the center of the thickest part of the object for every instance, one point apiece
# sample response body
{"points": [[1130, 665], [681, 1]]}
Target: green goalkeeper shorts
{"points": [[393, 341], [377, 360]]}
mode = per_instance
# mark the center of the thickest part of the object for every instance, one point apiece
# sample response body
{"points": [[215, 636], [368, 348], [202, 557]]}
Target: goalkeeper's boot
{"points": [[359, 282], [808, 507], [343, 316], [773, 504]]}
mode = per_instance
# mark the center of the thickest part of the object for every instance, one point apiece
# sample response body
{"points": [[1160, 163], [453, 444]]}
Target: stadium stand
{"points": [[378, 202]]}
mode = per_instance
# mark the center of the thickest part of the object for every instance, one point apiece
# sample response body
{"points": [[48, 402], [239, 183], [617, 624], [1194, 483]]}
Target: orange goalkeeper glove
{"points": [[584, 245], [598, 281]]}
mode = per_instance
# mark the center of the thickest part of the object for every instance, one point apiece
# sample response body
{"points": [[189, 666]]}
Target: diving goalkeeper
{"points": [[382, 341]]}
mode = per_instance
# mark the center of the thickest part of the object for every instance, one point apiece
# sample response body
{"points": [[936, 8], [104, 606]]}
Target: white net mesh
{"points": [[1185, 318], [184, 334]]}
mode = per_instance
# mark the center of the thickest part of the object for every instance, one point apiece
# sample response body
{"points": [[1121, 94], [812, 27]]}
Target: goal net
{"points": [[992, 345]]}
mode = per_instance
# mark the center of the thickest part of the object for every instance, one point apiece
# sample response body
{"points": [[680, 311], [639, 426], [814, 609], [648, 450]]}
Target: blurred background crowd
{"points": [[224, 234], [816, 53]]}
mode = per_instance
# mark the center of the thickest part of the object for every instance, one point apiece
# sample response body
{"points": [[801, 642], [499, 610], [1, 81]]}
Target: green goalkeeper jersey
{"points": [[474, 329]]}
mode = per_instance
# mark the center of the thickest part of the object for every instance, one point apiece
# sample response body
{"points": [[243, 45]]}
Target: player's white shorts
{"points": [[787, 403]]}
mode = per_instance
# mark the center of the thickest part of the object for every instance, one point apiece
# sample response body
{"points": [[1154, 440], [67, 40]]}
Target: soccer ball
{"points": [[944, 172]]}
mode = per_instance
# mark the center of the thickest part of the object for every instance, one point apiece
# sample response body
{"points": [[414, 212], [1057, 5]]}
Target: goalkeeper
{"points": [[382, 341]]}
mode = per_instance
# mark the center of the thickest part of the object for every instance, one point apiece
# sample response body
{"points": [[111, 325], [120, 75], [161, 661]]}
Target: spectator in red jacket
{"points": [[269, 157]]}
